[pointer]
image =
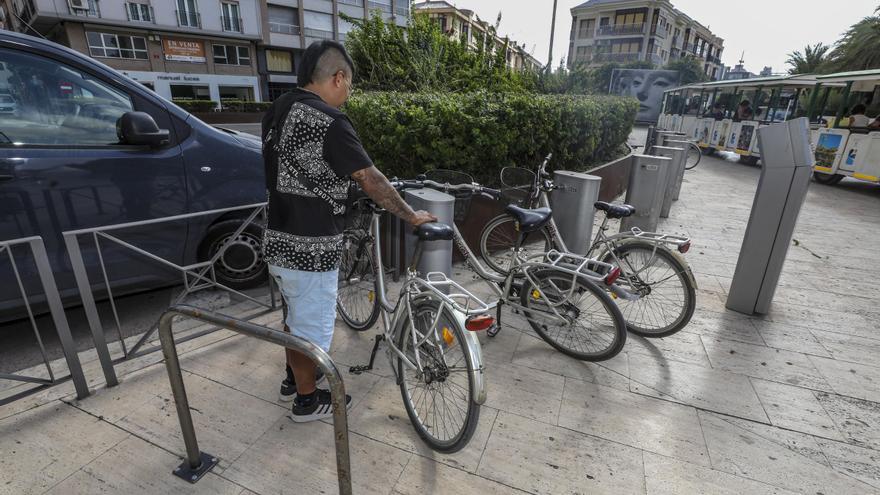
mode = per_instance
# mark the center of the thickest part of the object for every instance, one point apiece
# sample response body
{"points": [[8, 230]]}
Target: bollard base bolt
{"points": [[193, 475]]}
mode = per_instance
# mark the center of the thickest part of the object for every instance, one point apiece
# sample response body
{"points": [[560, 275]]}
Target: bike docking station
{"points": [[436, 256], [645, 192], [679, 172], [677, 157], [782, 190], [573, 209]]}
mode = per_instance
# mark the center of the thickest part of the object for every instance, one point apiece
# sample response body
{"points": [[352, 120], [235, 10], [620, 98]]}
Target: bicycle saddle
{"points": [[529, 220], [433, 231], [614, 211]]}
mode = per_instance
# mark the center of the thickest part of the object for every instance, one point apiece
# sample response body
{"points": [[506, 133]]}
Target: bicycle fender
{"points": [[675, 254], [478, 395]]}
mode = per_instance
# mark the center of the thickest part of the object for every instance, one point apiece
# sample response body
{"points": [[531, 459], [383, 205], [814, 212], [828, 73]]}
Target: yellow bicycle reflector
{"points": [[536, 294], [447, 336], [613, 296], [371, 295]]}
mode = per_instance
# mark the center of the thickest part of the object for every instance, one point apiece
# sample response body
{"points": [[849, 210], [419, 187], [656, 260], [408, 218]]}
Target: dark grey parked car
{"points": [[63, 167]]}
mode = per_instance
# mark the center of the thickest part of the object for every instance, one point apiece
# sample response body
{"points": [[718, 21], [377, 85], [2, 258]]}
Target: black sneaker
{"points": [[288, 386], [319, 406]]}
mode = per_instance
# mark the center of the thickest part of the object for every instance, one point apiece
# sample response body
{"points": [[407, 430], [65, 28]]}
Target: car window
{"points": [[54, 104]]}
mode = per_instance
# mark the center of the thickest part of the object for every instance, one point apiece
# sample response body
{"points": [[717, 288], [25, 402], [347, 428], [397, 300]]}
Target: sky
{"points": [[766, 30]]}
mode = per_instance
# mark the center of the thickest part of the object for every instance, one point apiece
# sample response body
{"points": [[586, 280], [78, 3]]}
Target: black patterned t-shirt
{"points": [[309, 157]]}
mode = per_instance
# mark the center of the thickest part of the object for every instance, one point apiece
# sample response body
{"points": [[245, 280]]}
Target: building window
{"points": [[188, 14], [383, 5], [116, 46], [356, 3], [283, 20], [279, 61], [231, 17], [629, 19], [318, 25], [139, 12], [93, 9], [587, 28], [232, 55]]}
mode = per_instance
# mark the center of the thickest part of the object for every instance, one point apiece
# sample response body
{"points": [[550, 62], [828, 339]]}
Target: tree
{"points": [[689, 70], [423, 58], [859, 48], [812, 61]]}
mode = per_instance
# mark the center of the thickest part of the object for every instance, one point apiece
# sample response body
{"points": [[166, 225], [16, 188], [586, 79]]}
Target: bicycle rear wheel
{"points": [[668, 296], [438, 397], [499, 238], [356, 299], [594, 328], [694, 155]]}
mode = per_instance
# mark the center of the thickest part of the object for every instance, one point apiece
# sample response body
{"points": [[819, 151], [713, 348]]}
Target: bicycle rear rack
{"points": [[575, 264], [657, 237], [456, 296]]}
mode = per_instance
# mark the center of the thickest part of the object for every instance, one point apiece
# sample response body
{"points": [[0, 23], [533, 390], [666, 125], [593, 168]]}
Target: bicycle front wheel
{"points": [[694, 155], [499, 238], [438, 396], [592, 327], [356, 298], [667, 293]]}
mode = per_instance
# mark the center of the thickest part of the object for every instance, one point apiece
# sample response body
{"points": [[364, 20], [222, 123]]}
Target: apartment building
{"points": [[290, 26], [467, 27], [188, 49], [640, 30]]}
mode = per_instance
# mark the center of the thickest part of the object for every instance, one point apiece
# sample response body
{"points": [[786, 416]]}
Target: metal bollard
{"points": [[675, 155], [573, 209], [679, 177], [645, 192]]}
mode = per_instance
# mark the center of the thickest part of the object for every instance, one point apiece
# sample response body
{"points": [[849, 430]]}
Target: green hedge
{"points": [[244, 106], [196, 105], [226, 105], [480, 133]]}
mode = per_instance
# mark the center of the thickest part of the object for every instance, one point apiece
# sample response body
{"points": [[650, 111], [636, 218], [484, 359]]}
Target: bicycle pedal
{"points": [[358, 370], [493, 331]]}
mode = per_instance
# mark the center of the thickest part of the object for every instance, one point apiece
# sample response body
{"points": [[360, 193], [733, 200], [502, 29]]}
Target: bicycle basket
{"points": [[357, 214], [516, 186], [454, 178]]}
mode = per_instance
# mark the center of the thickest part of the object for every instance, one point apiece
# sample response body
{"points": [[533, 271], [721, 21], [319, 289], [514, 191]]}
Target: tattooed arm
{"points": [[377, 187]]}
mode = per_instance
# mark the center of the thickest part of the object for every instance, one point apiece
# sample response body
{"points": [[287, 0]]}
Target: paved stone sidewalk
{"points": [[783, 404]]}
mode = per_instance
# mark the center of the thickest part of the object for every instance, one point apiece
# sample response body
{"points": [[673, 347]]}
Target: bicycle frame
{"points": [[393, 319]]}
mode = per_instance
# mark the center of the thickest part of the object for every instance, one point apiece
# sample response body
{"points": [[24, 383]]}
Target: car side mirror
{"points": [[139, 128]]}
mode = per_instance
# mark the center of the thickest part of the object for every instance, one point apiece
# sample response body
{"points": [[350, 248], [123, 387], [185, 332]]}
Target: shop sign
{"points": [[183, 50]]}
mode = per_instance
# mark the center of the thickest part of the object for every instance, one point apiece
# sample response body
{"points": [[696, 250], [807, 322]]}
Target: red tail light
{"points": [[612, 276], [479, 323], [684, 247]]}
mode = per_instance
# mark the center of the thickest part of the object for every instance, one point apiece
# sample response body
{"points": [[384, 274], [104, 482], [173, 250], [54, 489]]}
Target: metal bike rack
{"points": [[56, 309], [196, 276], [198, 463]]}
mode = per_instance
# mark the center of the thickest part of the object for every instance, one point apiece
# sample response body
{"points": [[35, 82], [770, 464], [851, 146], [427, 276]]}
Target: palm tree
{"points": [[859, 48], [810, 61]]}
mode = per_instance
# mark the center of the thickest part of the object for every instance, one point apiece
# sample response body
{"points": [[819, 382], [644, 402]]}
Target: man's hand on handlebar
{"points": [[420, 217]]}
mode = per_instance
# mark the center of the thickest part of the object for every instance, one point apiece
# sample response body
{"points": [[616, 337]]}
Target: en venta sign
{"points": [[183, 50]]}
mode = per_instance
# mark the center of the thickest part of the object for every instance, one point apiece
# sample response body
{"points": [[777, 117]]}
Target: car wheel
{"points": [[827, 179], [241, 266]]}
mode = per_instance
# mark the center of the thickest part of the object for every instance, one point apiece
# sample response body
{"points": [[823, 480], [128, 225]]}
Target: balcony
{"points": [[621, 29], [283, 28], [617, 57], [318, 33], [660, 32], [379, 5], [356, 3], [402, 11], [231, 24], [188, 19]]}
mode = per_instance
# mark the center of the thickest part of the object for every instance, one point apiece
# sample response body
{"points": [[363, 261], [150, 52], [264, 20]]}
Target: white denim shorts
{"points": [[310, 298]]}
